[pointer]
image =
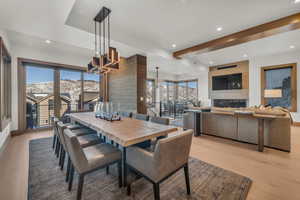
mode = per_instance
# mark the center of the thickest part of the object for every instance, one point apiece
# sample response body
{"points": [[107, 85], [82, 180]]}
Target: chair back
{"points": [[126, 114], [141, 117], [60, 130], [75, 151], [160, 120], [55, 120], [173, 152]]}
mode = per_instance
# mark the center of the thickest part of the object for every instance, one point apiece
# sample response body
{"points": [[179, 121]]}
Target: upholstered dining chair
{"points": [[89, 159], [160, 120], [126, 114], [145, 144], [56, 143], [141, 116], [85, 137], [170, 155]]}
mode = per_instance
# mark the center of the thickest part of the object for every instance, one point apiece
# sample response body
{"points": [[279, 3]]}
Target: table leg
{"points": [[261, 135], [124, 167]]}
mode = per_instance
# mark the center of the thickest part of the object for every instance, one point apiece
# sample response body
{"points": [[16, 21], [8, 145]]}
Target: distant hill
{"points": [[72, 87]]}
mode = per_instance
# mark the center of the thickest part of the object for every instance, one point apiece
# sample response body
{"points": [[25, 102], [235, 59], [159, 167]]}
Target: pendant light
{"points": [[106, 57]]}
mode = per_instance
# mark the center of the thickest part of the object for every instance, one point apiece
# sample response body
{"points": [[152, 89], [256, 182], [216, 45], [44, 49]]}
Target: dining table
{"points": [[125, 133]]}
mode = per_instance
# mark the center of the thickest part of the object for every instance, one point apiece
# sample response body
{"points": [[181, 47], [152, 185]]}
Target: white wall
{"points": [[254, 73], [5, 134]]}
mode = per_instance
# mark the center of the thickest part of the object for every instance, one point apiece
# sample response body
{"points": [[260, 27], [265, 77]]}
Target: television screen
{"points": [[227, 82]]}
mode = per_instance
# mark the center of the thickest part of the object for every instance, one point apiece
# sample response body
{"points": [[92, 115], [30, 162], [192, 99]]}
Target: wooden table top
{"points": [[126, 132]]}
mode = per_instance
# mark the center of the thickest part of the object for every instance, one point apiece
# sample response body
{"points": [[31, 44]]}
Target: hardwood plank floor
{"points": [[275, 174]]}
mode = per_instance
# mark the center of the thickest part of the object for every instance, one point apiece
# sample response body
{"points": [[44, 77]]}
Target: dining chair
{"points": [[147, 143], [56, 144], [126, 114], [89, 159], [85, 138], [170, 155], [160, 120], [141, 116]]}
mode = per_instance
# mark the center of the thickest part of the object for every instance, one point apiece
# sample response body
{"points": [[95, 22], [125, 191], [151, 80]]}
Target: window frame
{"points": [[22, 63], [5, 87], [293, 67]]}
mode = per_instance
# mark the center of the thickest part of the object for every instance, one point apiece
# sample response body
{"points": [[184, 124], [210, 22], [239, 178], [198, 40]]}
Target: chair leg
{"points": [[68, 169], [120, 173], [56, 146], [71, 176], [63, 160], [54, 141], [107, 170], [187, 179], [61, 156], [80, 186], [156, 191], [129, 189]]}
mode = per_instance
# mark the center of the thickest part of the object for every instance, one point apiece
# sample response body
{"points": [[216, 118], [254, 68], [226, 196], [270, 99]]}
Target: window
{"points": [[167, 91], [150, 93], [91, 88], [39, 96], [279, 86], [192, 91], [188, 91], [70, 91], [5, 85], [51, 104]]}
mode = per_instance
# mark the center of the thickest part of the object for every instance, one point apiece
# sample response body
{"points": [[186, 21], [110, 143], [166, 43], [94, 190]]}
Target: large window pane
{"points": [[70, 90], [192, 91], [279, 79], [182, 91], [171, 91], [163, 91], [39, 96], [91, 91], [150, 92]]}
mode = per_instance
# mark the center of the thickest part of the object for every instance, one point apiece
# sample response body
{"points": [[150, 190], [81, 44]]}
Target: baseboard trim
{"points": [[18, 132], [5, 143]]}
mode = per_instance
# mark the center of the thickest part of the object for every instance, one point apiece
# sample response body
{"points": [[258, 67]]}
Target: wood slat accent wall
{"points": [[127, 85], [141, 84]]}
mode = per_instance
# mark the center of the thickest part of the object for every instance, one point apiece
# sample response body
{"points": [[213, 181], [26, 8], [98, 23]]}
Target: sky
{"points": [[42, 74]]}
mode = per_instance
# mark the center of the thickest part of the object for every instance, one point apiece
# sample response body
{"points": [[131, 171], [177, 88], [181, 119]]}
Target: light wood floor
{"points": [[275, 174]]}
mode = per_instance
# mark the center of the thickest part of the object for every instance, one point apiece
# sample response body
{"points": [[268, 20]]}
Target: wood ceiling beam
{"points": [[282, 25]]}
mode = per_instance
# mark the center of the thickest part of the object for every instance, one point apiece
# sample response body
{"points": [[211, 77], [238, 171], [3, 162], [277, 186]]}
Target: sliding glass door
{"points": [[39, 96], [70, 91]]}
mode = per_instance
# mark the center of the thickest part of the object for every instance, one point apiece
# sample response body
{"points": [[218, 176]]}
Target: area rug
{"points": [[208, 182]]}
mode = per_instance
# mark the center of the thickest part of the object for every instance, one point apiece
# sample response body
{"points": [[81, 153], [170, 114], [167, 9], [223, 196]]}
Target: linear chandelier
{"points": [[106, 58]]}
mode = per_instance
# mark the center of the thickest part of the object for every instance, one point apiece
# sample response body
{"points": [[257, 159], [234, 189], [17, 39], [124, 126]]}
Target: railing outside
{"points": [[39, 116]]}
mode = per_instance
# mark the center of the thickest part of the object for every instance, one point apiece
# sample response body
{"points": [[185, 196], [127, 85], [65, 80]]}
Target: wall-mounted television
{"points": [[227, 82]]}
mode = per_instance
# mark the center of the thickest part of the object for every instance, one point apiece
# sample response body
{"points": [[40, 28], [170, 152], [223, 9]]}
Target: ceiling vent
{"points": [[227, 67]]}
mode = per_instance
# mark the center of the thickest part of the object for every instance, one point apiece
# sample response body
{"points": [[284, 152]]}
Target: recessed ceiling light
{"points": [[219, 28], [292, 46], [296, 1], [174, 45], [48, 41]]}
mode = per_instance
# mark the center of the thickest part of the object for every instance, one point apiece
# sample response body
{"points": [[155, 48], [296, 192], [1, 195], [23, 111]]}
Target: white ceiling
{"points": [[150, 27]]}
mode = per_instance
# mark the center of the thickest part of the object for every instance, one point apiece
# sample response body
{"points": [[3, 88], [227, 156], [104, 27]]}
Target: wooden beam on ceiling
{"points": [[282, 25]]}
